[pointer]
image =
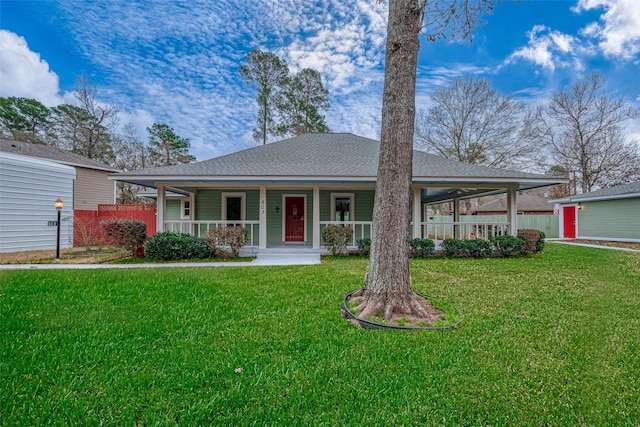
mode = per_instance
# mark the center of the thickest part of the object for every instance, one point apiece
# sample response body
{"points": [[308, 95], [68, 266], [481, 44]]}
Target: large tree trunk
{"points": [[387, 287]]}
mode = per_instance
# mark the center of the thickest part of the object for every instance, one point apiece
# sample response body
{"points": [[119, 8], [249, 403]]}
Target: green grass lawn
{"points": [[545, 340]]}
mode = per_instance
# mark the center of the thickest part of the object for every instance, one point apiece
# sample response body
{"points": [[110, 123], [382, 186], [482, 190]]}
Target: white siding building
{"points": [[28, 189]]}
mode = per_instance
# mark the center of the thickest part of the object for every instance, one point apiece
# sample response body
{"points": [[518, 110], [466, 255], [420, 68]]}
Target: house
{"points": [[286, 192], [29, 187], [607, 214], [528, 204], [92, 185]]}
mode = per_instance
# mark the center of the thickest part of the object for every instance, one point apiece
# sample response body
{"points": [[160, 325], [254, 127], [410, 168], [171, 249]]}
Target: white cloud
{"points": [[178, 62], [23, 73], [550, 49], [618, 32]]}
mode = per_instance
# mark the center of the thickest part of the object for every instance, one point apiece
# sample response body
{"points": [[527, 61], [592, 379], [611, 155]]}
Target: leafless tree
{"points": [[583, 132], [130, 154], [86, 128], [471, 122]]}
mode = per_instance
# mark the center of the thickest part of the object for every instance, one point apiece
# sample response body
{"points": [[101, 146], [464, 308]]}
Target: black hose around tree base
{"points": [[368, 324]]}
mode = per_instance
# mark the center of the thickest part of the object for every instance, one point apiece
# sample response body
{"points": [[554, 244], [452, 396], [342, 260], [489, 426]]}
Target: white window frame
{"points": [[183, 208], [352, 209], [243, 207]]}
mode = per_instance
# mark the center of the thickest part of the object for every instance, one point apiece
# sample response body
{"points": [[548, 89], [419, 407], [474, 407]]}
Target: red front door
{"points": [[569, 222], [294, 219]]}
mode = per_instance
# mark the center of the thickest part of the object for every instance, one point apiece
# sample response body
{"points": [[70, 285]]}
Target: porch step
{"points": [[289, 255], [289, 251]]}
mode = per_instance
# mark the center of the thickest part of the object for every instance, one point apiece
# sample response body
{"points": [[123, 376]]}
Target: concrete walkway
{"points": [[263, 258], [569, 242]]}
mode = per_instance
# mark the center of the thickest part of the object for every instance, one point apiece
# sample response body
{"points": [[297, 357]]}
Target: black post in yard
{"points": [[58, 205], [58, 239]]}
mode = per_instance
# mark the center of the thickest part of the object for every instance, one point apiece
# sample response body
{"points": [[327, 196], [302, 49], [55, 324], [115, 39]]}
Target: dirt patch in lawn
{"points": [[94, 255]]}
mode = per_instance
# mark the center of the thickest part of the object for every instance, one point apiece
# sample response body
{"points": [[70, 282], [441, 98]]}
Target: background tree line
{"points": [[91, 129], [578, 133]]}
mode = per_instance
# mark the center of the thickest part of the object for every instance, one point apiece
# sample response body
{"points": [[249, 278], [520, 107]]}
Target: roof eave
{"points": [[597, 198]]}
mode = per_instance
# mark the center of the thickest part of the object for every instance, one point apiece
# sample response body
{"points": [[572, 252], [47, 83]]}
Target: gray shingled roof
{"points": [[619, 191], [53, 154], [326, 155], [526, 202]]}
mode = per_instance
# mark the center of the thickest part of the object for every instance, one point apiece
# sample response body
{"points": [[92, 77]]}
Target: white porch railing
{"points": [[438, 231], [361, 230], [200, 228]]}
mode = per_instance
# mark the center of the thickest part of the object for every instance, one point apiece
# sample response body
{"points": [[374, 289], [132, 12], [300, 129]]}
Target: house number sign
{"points": [[262, 207]]}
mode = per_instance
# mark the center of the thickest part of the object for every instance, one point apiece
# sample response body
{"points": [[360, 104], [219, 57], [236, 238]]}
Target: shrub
{"points": [[508, 246], [540, 242], [336, 238], [126, 233], [234, 238], [364, 246], [422, 247], [534, 240], [168, 246], [86, 231], [453, 247], [477, 248]]}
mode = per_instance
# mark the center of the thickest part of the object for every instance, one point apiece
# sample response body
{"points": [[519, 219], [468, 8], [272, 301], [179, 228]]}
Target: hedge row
{"points": [[527, 241], [167, 246]]}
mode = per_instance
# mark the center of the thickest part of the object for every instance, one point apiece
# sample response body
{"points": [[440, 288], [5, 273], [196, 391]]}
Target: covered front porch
{"points": [[294, 216]]}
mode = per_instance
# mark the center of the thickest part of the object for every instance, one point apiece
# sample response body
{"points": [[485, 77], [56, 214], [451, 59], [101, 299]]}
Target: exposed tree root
{"points": [[410, 309]]}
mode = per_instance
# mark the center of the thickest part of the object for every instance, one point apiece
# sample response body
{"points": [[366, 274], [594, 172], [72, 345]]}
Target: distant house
{"points": [[528, 204], [92, 186], [286, 192], [608, 214]]}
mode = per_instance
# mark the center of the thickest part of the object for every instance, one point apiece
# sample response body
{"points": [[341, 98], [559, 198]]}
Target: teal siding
{"points": [[173, 210], [208, 205], [252, 200], [364, 205], [616, 219]]}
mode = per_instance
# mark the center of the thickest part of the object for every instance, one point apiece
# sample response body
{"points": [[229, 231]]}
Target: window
{"points": [[342, 207], [185, 209], [233, 206]]}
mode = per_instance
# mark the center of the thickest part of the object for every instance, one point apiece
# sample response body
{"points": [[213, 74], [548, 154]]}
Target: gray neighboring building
{"points": [[29, 188], [607, 214], [92, 186]]}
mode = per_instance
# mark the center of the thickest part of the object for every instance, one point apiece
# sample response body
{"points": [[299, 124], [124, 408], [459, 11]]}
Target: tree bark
{"points": [[387, 288]]}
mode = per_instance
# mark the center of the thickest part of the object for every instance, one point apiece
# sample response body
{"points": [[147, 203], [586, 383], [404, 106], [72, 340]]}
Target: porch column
{"points": [[316, 217], [262, 239], [161, 206], [456, 218], [512, 211], [192, 215], [417, 215]]}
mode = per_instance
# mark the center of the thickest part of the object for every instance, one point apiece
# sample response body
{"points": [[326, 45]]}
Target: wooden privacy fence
{"points": [[86, 224]]}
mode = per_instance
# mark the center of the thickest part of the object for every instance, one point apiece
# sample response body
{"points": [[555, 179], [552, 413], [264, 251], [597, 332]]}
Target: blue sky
{"points": [[177, 62]]}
